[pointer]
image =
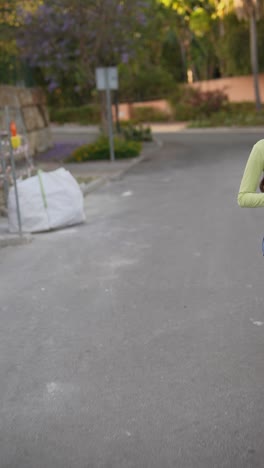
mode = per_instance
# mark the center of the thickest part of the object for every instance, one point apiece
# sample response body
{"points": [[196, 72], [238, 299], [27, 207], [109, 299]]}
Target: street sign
{"points": [[107, 77], [107, 80]]}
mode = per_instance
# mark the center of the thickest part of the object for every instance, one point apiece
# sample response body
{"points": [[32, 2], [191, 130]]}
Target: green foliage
{"points": [[194, 25], [191, 103], [84, 115], [149, 114], [241, 114], [171, 57], [235, 108], [136, 132], [13, 69], [232, 47], [141, 83], [100, 150], [200, 21], [260, 27], [69, 38], [170, 38]]}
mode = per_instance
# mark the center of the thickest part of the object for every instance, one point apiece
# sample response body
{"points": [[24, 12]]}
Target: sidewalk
{"points": [[107, 170], [11, 240], [157, 128], [75, 129], [90, 176]]}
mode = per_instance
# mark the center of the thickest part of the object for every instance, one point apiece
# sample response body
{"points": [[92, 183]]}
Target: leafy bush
{"points": [[244, 108], [85, 115], [140, 82], [136, 132], [100, 150], [231, 118], [149, 114], [191, 103], [229, 45]]}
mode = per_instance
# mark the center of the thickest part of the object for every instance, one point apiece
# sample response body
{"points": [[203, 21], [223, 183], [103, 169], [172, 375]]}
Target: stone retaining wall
{"points": [[34, 112]]}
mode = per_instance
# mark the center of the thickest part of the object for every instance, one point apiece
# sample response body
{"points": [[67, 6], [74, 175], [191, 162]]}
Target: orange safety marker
{"points": [[13, 129]]}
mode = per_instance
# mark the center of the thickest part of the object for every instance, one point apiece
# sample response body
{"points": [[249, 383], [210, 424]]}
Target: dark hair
{"points": [[261, 185]]}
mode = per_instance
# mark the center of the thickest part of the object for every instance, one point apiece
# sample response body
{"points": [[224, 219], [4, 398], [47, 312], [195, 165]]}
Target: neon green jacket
{"points": [[248, 197]]}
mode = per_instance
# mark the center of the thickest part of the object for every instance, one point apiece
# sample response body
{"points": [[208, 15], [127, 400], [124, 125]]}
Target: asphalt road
{"points": [[137, 340]]}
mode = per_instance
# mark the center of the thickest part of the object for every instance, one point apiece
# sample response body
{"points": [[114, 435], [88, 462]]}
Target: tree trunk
{"points": [[221, 28], [254, 57], [184, 60]]}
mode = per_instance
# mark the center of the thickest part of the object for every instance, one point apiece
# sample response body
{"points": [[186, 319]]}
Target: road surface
{"points": [[137, 340]]}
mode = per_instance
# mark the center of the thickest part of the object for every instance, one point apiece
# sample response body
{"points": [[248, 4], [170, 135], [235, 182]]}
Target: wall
{"points": [[34, 112], [238, 88], [126, 110]]}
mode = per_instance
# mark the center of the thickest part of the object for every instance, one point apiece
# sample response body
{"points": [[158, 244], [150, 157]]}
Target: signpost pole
{"points": [[110, 116], [13, 167]]}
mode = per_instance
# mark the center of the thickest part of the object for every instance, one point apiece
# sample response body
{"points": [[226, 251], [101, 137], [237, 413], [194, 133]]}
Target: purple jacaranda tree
{"points": [[68, 39]]}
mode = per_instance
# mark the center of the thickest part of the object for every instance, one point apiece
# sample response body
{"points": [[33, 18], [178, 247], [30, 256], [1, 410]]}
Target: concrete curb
{"points": [[158, 142], [100, 181], [12, 240], [133, 163], [92, 186], [221, 130], [156, 129]]}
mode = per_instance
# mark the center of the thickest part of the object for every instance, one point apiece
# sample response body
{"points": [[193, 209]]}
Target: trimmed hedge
{"points": [[230, 118], [100, 150], [84, 115], [144, 114]]}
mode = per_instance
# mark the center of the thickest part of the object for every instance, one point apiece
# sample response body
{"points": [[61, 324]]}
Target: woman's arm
{"points": [[247, 196]]}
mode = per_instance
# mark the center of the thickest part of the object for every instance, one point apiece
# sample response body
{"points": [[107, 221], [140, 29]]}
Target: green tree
{"points": [[251, 10], [12, 69], [230, 44], [195, 27], [72, 37], [156, 63]]}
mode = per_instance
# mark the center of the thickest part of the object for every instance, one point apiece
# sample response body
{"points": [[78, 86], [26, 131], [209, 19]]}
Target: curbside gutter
{"points": [[100, 181], [133, 163], [12, 240], [92, 186]]}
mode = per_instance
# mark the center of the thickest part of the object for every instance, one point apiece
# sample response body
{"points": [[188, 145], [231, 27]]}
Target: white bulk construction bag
{"points": [[49, 200]]}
